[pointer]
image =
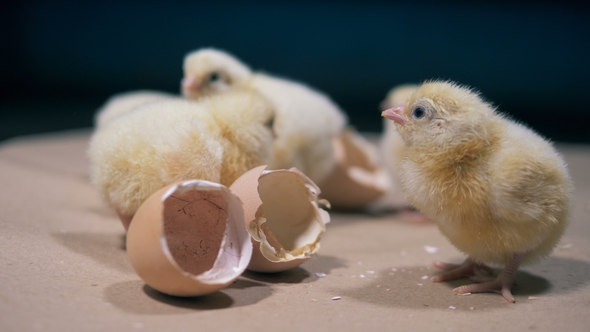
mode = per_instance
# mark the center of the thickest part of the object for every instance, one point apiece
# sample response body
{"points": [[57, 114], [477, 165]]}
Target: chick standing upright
{"points": [[306, 123], [499, 192], [216, 138]]}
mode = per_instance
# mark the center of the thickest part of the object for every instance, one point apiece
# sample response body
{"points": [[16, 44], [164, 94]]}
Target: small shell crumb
{"points": [[420, 284], [314, 300], [424, 277], [471, 308], [533, 297], [320, 274], [335, 298], [452, 307], [431, 250]]}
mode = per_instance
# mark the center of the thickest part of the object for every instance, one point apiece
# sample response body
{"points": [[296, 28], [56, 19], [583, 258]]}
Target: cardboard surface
{"points": [[64, 267]]}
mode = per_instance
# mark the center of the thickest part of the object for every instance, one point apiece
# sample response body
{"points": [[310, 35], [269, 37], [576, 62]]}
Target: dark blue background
{"points": [[60, 60]]}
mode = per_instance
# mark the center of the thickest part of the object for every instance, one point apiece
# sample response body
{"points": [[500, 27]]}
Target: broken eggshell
{"points": [[188, 239], [283, 216], [358, 178]]}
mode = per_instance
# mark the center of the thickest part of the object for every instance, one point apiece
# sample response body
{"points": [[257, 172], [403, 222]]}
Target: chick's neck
{"points": [[468, 150], [458, 171]]}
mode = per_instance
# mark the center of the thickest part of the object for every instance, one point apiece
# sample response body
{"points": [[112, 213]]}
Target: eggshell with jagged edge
{"points": [[283, 215]]}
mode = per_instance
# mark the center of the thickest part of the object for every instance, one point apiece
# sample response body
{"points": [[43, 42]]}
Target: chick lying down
{"points": [[306, 122], [499, 192], [215, 139]]}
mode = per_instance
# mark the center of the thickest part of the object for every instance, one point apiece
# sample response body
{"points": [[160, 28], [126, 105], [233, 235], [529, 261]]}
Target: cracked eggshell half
{"points": [[358, 177], [283, 216], [189, 239]]}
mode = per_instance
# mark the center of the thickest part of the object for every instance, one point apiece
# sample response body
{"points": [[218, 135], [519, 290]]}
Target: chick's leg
{"points": [[501, 284], [125, 219], [469, 268]]}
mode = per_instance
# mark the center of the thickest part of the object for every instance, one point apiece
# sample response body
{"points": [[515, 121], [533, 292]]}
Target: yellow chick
{"points": [[306, 120], [124, 102], [499, 192], [217, 138]]}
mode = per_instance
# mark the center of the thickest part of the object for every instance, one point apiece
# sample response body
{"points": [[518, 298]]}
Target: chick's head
{"points": [[398, 95], [208, 71], [441, 114], [245, 120]]}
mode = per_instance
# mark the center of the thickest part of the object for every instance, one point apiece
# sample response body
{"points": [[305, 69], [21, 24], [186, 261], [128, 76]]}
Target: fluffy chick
{"points": [[499, 192], [124, 102], [306, 120], [216, 138]]}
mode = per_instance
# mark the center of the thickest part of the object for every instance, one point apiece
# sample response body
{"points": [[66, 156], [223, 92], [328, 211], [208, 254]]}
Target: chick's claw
{"points": [[469, 268], [498, 286], [502, 285]]}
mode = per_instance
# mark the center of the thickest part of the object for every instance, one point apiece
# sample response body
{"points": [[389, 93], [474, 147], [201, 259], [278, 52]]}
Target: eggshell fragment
{"points": [[283, 216], [189, 239], [358, 179]]}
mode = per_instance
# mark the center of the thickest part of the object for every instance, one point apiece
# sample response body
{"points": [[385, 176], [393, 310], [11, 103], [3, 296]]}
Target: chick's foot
{"points": [[501, 284], [468, 268]]}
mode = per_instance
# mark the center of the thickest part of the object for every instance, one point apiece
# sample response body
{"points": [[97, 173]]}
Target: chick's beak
{"points": [[190, 83], [395, 114]]}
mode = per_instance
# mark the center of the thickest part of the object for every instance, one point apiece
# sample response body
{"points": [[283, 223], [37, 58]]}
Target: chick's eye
{"points": [[270, 123], [214, 77], [418, 112]]}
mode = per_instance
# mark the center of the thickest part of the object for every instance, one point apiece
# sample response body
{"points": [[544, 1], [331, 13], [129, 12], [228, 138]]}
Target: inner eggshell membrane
{"points": [[198, 235], [194, 225], [288, 224]]}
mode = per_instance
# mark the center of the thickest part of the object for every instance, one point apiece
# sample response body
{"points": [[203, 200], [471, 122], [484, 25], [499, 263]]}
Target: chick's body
{"points": [[499, 192], [216, 139], [514, 199], [125, 102], [306, 121]]}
